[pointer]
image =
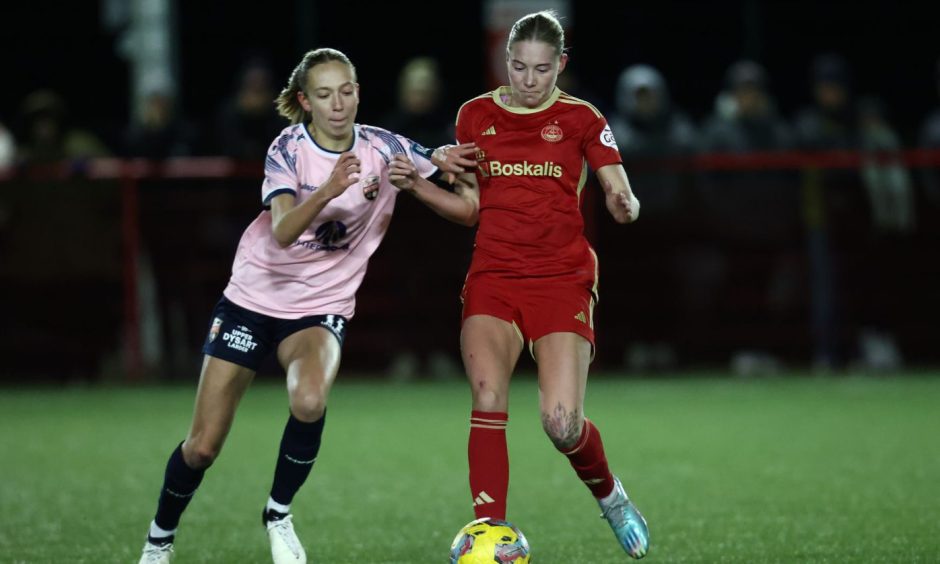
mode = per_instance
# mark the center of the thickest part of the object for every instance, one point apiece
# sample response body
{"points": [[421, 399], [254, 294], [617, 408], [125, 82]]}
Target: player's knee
{"points": [[564, 435], [488, 399], [199, 455], [308, 406]]}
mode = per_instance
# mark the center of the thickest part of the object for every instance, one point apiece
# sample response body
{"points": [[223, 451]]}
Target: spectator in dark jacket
{"points": [[248, 121], [650, 132], [752, 215], [159, 132], [648, 126]]}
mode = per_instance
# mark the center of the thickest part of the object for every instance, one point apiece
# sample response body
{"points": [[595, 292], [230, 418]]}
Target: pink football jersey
{"points": [[320, 272]]}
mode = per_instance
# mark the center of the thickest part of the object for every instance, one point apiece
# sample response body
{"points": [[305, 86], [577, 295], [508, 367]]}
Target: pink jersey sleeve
{"points": [[280, 165], [389, 144], [599, 145], [420, 156]]}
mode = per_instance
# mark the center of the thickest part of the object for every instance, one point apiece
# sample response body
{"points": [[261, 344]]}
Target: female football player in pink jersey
{"points": [[328, 202], [533, 278]]}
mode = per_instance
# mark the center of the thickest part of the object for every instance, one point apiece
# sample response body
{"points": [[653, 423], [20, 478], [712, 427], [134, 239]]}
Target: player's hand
{"points": [[345, 173], [454, 159], [625, 208], [402, 173]]}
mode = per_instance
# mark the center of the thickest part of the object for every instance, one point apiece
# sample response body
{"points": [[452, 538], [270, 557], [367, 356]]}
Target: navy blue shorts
{"points": [[245, 337]]}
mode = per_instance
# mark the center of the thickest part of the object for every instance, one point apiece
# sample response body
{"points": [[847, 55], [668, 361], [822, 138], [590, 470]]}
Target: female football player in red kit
{"points": [[533, 278]]}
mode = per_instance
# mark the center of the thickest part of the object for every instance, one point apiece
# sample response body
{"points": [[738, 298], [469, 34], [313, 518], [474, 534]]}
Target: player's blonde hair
{"points": [[540, 26], [287, 103]]}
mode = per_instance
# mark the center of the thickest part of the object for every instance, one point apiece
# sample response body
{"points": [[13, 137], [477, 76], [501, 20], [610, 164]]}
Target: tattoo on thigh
{"points": [[562, 427]]}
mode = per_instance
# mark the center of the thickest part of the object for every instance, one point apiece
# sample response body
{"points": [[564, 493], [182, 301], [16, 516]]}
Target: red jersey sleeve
{"points": [[463, 129], [599, 146]]}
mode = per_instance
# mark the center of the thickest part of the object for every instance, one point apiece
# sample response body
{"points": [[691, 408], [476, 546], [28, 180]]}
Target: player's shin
{"points": [[300, 444], [179, 485], [488, 456], [590, 462]]}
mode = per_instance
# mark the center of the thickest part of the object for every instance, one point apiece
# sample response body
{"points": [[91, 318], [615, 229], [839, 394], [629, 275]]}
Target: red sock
{"points": [[489, 463], [589, 461]]}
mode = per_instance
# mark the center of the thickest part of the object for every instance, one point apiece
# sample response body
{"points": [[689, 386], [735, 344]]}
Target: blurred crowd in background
{"points": [[791, 224], [647, 124]]}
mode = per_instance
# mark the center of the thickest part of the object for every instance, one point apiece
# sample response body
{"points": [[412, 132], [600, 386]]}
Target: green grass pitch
{"points": [[791, 469]]}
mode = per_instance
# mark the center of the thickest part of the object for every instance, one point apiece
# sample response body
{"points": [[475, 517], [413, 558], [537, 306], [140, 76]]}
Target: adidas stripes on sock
{"points": [[489, 463]]}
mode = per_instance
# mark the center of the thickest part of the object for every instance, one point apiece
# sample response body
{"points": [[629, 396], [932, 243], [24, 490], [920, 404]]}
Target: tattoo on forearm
{"points": [[562, 427]]}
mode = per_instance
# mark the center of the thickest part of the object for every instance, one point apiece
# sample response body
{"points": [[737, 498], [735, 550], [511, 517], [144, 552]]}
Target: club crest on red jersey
{"points": [[552, 133]]}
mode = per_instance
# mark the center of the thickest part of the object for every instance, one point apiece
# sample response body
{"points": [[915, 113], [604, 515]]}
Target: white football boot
{"points": [[285, 546], [157, 553]]}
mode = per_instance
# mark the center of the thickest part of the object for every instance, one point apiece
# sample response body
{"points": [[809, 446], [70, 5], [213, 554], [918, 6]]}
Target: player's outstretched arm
{"points": [[454, 159], [621, 203], [460, 206], [289, 220]]}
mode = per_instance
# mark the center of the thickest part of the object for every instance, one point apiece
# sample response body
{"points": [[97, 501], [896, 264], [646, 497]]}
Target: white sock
{"points": [[277, 506], [158, 533], [610, 498]]}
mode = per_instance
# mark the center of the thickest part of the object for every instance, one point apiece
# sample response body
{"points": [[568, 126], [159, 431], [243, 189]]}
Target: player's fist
{"points": [[625, 208], [345, 173], [402, 173]]}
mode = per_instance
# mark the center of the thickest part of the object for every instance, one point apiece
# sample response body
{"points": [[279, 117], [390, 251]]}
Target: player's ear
{"points": [[562, 61], [304, 101]]}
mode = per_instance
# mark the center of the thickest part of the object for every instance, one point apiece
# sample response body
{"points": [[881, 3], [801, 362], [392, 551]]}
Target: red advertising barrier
{"points": [[130, 174]]}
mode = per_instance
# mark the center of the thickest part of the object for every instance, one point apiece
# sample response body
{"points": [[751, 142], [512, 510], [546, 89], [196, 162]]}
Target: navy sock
{"points": [[299, 447], [179, 485]]}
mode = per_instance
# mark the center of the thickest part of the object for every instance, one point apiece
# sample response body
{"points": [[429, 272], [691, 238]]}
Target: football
{"points": [[489, 541]]}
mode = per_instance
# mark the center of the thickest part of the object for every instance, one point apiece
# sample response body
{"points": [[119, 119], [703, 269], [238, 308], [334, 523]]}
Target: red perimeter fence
{"points": [[110, 267]]}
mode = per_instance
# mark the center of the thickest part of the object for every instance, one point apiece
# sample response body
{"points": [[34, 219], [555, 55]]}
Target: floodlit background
{"points": [[767, 332]]}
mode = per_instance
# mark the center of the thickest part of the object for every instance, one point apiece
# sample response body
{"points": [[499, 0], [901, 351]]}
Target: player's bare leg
{"points": [[563, 360], [311, 360], [490, 348], [221, 386]]}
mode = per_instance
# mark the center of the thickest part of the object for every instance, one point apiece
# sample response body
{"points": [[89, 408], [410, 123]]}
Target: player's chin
{"points": [[340, 127], [534, 99]]}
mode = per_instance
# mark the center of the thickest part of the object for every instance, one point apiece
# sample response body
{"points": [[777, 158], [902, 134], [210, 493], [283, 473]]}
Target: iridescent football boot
{"points": [[628, 525]]}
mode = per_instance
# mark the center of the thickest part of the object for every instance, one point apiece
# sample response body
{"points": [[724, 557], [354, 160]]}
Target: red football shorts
{"points": [[535, 306]]}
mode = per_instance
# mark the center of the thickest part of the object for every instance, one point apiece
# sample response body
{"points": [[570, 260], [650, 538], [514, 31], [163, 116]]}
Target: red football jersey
{"points": [[532, 165]]}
